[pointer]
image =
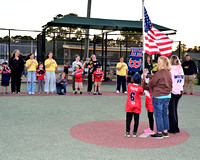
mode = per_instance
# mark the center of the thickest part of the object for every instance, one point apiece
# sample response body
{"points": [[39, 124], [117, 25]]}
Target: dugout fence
{"points": [[108, 47]]}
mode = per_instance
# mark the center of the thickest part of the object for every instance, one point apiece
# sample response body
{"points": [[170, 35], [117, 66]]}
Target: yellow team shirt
{"points": [[33, 66], [52, 67], [155, 67], [122, 72]]}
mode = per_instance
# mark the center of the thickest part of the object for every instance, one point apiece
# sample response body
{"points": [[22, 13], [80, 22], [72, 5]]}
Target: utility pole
{"points": [[86, 50]]}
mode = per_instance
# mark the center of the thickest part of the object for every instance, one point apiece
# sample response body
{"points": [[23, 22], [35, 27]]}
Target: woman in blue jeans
{"points": [[31, 65], [160, 86]]}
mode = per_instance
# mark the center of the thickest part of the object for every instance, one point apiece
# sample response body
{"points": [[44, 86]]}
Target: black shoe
{"points": [[165, 135], [95, 93], [127, 134], [81, 93], [75, 92], [99, 93], [191, 93], [157, 135], [134, 134], [7, 93], [184, 93]]}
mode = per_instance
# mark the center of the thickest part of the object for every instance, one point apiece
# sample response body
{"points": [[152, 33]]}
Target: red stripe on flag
{"points": [[163, 43]]}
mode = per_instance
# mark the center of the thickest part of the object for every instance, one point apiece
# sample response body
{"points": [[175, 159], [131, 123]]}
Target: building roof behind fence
{"points": [[102, 24]]}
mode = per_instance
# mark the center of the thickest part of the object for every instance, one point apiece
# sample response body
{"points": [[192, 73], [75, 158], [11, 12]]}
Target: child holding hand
{"points": [[133, 104], [5, 71], [78, 73], [149, 107], [40, 75], [97, 78]]}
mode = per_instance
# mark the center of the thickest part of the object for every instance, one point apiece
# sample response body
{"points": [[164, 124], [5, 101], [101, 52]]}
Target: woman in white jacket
{"points": [[178, 82]]}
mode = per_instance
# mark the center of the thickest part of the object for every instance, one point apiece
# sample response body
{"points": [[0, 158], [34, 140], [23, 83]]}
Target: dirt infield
{"points": [[110, 134]]}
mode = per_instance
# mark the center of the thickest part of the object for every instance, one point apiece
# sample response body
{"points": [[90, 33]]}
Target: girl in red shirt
{"points": [[98, 77], [78, 73], [40, 74]]}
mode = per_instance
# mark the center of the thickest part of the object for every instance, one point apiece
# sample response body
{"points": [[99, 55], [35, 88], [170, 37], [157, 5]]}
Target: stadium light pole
{"points": [[86, 50], [143, 61]]}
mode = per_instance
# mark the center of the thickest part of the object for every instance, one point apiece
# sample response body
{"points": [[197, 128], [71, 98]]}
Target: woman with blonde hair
{"points": [[17, 67], [160, 86], [178, 82]]}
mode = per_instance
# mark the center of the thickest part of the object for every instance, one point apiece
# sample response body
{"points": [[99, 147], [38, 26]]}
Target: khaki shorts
{"points": [[96, 83], [78, 85]]}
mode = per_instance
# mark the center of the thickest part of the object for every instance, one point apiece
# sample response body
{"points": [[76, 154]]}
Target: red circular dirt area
{"points": [[111, 134]]}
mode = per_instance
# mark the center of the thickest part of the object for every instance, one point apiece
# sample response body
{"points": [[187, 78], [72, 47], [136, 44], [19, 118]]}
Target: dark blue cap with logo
{"points": [[136, 77]]}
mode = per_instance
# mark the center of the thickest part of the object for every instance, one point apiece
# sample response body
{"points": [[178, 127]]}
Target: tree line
{"points": [[133, 38]]}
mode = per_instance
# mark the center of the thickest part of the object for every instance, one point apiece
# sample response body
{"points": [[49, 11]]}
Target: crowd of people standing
{"points": [[45, 74], [165, 80]]}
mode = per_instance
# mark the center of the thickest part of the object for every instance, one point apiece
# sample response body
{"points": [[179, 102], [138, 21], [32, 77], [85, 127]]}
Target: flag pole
{"points": [[143, 64]]}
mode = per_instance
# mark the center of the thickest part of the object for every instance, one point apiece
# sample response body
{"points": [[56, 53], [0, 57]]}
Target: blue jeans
{"points": [[50, 81], [31, 81], [59, 89], [160, 107], [25, 71]]}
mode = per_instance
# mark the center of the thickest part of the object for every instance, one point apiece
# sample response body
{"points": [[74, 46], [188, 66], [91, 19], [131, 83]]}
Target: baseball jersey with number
{"points": [[133, 102]]}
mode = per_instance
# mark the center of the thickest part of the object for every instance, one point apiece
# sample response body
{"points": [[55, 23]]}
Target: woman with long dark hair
{"points": [[17, 67], [93, 65]]}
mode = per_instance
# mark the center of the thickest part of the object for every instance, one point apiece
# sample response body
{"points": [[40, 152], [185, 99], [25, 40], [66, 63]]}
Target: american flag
{"points": [[156, 42]]}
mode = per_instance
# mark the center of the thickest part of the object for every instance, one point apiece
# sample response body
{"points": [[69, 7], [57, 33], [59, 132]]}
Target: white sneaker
{"points": [[117, 91], [125, 92], [32, 93]]}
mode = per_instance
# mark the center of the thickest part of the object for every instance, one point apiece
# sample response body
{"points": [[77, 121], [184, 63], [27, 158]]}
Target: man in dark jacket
{"points": [[190, 71]]}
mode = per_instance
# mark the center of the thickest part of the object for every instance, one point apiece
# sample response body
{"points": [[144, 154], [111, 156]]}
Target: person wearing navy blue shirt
{"points": [[190, 71]]}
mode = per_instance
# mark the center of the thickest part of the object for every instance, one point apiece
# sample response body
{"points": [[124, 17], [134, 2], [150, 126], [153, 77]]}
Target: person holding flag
{"points": [[160, 84]]}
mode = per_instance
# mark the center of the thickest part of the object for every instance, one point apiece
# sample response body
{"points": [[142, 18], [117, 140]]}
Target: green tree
{"points": [[195, 50], [183, 49], [134, 38], [63, 30]]}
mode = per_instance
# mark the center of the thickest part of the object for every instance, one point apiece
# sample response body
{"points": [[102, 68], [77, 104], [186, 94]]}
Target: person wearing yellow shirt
{"points": [[155, 68], [122, 70], [31, 65], [50, 76]]}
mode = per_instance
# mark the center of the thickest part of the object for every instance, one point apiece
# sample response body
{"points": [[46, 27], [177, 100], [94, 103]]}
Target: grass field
{"points": [[37, 127]]}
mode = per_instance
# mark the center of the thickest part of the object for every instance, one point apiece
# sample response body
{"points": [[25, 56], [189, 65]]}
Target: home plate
{"points": [[143, 135]]}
